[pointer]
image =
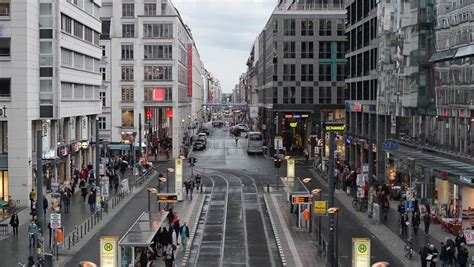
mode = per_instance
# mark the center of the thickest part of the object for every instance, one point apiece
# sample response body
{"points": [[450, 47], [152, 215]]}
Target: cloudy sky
{"points": [[224, 31]]}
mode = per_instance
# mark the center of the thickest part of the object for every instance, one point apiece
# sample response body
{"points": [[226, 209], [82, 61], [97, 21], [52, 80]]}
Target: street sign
{"points": [[321, 208], [55, 220], [167, 198], [108, 251], [300, 199], [360, 252], [334, 126], [278, 142]]}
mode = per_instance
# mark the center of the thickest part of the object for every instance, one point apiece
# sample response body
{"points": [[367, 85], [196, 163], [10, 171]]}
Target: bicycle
{"points": [[360, 205]]}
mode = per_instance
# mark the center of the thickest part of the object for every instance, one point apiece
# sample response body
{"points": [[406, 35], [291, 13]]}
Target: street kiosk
{"points": [[139, 237]]}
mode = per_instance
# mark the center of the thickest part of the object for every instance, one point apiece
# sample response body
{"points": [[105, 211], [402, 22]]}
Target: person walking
{"points": [[45, 205], [15, 222], [463, 255], [91, 202], [460, 238], [32, 197], [82, 185], [184, 232], [66, 202], [32, 233], [427, 222], [415, 221], [432, 256], [404, 222]]}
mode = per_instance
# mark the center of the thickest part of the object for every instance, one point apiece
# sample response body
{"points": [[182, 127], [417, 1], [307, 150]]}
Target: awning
{"points": [[143, 230], [294, 186], [443, 55], [464, 171], [118, 146], [465, 51]]}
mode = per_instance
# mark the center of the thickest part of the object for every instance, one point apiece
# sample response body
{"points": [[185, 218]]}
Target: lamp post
{"points": [[317, 191], [335, 210], [167, 178], [150, 190]]}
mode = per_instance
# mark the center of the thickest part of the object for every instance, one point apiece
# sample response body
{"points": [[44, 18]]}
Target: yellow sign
{"points": [[360, 252], [290, 173], [178, 176], [293, 124], [320, 208], [335, 128], [279, 137], [108, 251]]}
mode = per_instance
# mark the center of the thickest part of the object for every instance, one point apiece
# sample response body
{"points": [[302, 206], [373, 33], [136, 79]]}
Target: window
{"points": [[307, 50], [289, 50], [307, 28], [5, 8], [78, 61], [128, 10], [78, 29], [340, 28], [104, 75], [341, 72], [325, 72], [46, 72], [289, 71], [4, 46], [157, 94], [105, 28], [289, 95], [158, 73], [341, 50], [275, 95], [341, 97], [102, 98], [289, 27], [275, 27], [127, 51], [66, 57], [324, 27], [46, 33], [127, 93], [324, 50], [66, 24], [325, 95], [160, 52], [5, 87], [150, 9], [307, 72], [102, 123], [103, 50], [88, 34], [307, 95], [127, 118], [128, 30], [88, 63], [127, 73], [158, 30]]}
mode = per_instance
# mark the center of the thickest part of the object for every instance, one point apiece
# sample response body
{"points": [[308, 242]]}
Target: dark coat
{"points": [[14, 221], [91, 199], [463, 256]]}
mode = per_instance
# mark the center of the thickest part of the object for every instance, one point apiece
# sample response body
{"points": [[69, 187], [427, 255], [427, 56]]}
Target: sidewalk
{"points": [[17, 246]]}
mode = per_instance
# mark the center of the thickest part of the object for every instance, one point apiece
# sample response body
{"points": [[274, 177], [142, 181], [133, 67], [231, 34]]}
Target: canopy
{"points": [[143, 230]]}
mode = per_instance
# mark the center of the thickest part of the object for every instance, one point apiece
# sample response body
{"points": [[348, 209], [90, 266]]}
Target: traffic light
{"points": [[277, 163]]}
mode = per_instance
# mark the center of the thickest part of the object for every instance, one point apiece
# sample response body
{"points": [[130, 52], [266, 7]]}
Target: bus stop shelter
{"points": [[298, 195], [134, 244]]}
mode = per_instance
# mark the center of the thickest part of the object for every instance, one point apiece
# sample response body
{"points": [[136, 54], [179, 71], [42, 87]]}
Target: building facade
{"points": [[49, 82], [155, 74]]}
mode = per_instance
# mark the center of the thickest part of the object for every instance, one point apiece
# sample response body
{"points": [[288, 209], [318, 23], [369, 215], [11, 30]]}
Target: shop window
{"points": [[156, 93], [127, 118], [4, 185]]}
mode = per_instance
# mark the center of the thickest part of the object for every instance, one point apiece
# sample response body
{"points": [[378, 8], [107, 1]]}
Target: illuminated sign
{"points": [[293, 124], [321, 208], [300, 199], [169, 113], [158, 94], [334, 127], [296, 116], [108, 251], [167, 198], [304, 116], [360, 252], [85, 145], [290, 172], [288, 116]]}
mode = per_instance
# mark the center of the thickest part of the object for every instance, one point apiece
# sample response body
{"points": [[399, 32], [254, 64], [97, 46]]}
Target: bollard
{"points": [[73, 238], [81, 231], [268, 188], [69, 242]]}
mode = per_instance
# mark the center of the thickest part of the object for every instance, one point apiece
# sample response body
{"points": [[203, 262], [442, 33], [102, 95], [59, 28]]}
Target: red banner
{"points": [[190, 70]]}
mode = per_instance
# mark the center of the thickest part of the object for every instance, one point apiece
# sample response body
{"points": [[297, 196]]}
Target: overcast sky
{"points": [[224, 31]]}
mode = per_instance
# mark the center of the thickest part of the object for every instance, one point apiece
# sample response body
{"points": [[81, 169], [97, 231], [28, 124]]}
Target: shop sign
{"points": [[253, 112], [360, 252], [278, 142], [3, 112], [389, 146], [84, 128], [84, 145], [46, 131], [320, 208], [108, 251], [49, 154], [334, 126], [466, 179], [64, 151], [293, 124], [72, 128], [357, 107]]}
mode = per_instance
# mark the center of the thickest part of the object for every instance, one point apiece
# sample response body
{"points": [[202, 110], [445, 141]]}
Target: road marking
{"points": [[287, 234]]}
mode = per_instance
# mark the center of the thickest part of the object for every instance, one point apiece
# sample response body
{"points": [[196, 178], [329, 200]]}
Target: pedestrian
{"points": [[91, 202], [33, 211], [415, 221], [66, 202], [424, 254], [450, 252], [427, 221], [186, 185], [432, 257], [50, 230], [191, 187], [32, 233], [404, 222], [15, 222], [31, 261], [32, 197], [82, 185], [459, 240], [45, 205], [443, 257], [463, 255], [170, 216], [184, 232]]}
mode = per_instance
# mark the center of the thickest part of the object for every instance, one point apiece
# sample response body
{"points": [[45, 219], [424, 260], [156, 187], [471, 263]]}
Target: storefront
{"points": [[4, 184], [295, 129]]}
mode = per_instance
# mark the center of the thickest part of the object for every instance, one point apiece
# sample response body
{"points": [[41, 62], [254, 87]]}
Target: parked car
{"points": [[199, 145], [205, 130], [242, 127], [202, 137]]}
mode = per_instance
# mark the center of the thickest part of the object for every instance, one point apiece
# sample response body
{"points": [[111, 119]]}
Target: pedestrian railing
{"points": [[3, 229]]}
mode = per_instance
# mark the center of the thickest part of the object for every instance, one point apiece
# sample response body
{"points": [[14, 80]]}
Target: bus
{"points": [[254, 142]]}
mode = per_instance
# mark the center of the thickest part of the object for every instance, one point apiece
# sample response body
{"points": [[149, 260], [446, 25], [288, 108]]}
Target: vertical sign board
{"points": [[278, 142], [72, 129], [360, 252], [46, 130], [108, 251], [253, 112], [290, 169], [178, 176], [84, 128], [55, 220], [320, 208], [190, 69]]}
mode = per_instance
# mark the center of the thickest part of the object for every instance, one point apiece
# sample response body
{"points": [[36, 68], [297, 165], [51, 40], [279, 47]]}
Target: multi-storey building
{"points": [[49, 82], [155, 70], [301, 70]]}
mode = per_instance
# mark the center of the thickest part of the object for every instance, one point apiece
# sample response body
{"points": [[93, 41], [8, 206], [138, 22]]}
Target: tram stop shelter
{"points": [[298, 195], [139, 237]]}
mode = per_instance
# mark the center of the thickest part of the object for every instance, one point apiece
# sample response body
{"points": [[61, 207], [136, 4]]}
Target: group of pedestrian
{"points": [[452, 253], [417, 216], [165, 242]]}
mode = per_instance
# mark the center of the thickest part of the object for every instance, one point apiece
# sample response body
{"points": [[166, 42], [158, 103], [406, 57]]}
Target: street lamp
{"points": [[335, 210], [307, 180], [167, 178], [150, 190], [287, 157], [318, 192]]}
